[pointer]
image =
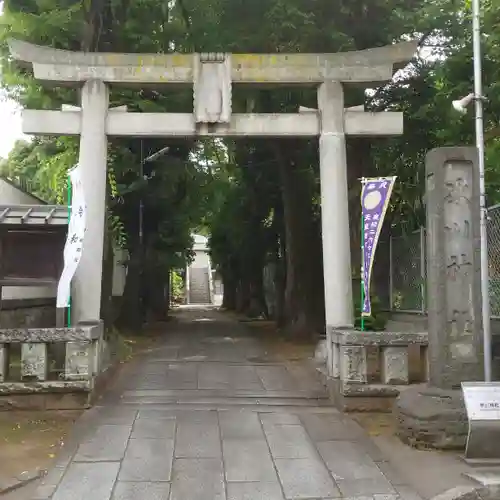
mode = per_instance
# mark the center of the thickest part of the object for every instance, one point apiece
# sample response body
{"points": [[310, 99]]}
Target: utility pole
{"points": [[478, 101]]}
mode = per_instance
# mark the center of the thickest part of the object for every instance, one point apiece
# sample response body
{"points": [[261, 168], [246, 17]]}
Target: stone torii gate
{"points": [[212, 76]]}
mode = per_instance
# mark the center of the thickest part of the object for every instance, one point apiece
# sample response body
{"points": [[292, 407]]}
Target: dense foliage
{"points": [[258, 200]]}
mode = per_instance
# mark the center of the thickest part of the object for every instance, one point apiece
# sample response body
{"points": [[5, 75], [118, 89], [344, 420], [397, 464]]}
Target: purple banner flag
{"points": [[375, 196]]}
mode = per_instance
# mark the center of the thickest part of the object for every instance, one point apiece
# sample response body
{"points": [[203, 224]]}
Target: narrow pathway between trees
{"points": [[212, 415]]}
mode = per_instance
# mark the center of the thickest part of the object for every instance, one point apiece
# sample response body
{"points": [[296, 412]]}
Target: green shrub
{"points": [[177, 287], [377, 321]]}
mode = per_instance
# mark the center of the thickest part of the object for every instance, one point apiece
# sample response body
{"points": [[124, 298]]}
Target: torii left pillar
{"points": [[93, 161]]}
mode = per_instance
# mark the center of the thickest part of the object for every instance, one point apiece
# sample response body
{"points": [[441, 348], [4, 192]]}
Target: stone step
{"points": [[189, 394], [217, 403], [257, 408]]}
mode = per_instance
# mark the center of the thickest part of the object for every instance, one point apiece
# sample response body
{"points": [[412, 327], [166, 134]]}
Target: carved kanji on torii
{"points": [[212, 77]]}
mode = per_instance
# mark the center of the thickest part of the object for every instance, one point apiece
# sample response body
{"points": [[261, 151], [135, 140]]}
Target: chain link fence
{"points": [[406, 277], [493, 229]]}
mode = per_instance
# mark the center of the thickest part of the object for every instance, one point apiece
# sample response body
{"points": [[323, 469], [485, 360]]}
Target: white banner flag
{"points": [[74, 241]]}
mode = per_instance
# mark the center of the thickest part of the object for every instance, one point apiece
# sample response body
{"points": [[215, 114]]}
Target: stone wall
{"points": [[416, 322], [368, 370], [52, 368], [28, 313]]}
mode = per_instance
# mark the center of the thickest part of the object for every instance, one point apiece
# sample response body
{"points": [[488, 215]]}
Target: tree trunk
{"points": [[229, 296], [299, 310], [131, 311], [279, 255], [108, 268], [242, 296], [155, 305]]}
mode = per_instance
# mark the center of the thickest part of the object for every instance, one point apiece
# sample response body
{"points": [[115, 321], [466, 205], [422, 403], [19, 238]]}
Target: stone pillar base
{"points": [[428, 417]]}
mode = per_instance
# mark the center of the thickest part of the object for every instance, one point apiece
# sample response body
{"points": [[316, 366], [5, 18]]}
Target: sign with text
{"points": [[375, 196], [482, 400]]}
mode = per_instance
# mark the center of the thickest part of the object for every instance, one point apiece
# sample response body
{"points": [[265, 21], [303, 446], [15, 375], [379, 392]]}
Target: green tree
{"points": [[258, 200]]}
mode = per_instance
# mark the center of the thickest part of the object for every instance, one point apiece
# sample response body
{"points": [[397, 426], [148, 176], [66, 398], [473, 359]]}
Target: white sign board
{"points": [[482, 400]]}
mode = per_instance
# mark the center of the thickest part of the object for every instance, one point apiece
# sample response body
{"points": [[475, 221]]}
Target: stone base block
{"points": [[361, 397], [428, 417], [48, 401]]}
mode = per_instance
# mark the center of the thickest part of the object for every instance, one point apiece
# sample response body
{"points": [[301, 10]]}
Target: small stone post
{"points": [[3, 362], [334, 212], [454, 267], [436, 416], [93, 161]]}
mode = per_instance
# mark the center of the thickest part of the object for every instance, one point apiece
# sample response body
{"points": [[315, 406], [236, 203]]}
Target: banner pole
{"points": [[362, 281], [69, 190]]}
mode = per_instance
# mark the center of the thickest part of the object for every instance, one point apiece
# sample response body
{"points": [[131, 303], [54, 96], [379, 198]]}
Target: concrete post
{"points": [[210, 282], [187, 284], [435, 415], [453, 267], [93, 161], [334, 211]]}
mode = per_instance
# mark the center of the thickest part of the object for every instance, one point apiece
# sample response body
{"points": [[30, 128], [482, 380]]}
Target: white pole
{"points": [[478, 99]]}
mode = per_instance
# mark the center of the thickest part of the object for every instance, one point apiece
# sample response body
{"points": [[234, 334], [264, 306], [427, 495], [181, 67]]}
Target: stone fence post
{"points": [[435, 415]]}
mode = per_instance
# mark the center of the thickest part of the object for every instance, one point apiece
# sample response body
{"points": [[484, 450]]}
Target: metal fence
{"points": [[402, 288]]}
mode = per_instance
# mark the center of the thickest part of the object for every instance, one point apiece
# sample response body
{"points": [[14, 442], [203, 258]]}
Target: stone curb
{"points": [[471, 493], [22, 480]]}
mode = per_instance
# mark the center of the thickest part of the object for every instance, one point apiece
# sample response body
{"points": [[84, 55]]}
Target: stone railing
{"points": [[51, 368], [367, 370]]}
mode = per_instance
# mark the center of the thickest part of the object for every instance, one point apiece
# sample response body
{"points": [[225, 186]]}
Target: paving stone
{"points": [[197, 479], [147, 460], [275, 378], [149, 428], [88, 480], [289, 441], [304, 377], [358, 498], [181, 376], [219, 376], [348, 461], [54, 476], [107, 444], [141, 491], [150, 382], [280, 418], [390, 473], [197, 440], [247, 460], [44, 491], [331, 427], [156, 414], [116, 415], [240, 424], [197, 416], [254, 491], [407, 493], [372, 449], [305, 478], [367, 486]]}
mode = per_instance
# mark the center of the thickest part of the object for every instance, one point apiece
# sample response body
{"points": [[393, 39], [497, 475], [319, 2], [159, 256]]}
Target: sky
{"points": [[10, 126]]}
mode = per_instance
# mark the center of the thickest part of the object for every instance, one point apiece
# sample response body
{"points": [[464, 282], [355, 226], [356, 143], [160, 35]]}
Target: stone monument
{"points": [[212, 77], [434, 415]]}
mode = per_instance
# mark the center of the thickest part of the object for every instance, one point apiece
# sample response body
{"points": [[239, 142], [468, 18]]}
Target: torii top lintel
{"points": [[62, 66]]}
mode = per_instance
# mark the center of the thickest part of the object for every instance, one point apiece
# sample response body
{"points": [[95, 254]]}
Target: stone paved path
{"points": [[211, 416]]}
